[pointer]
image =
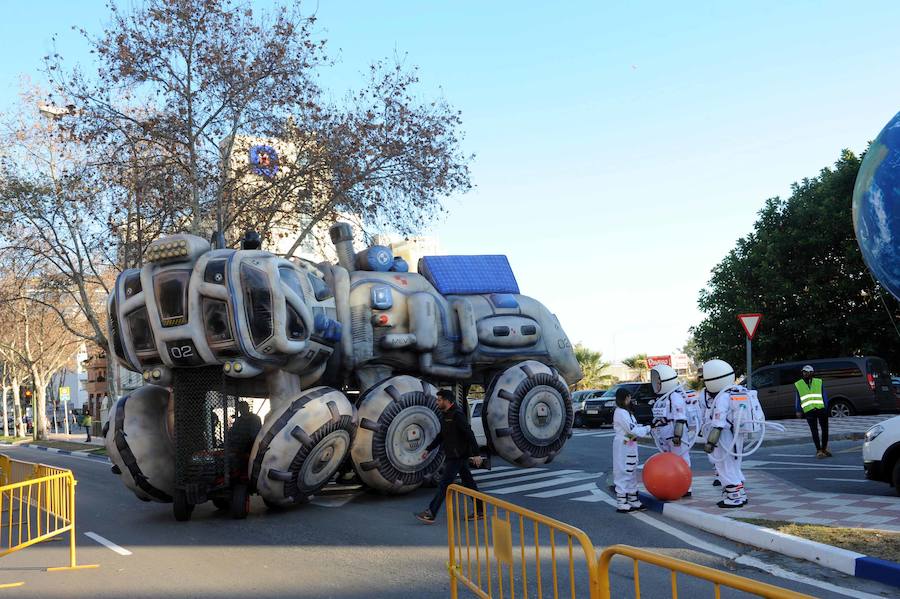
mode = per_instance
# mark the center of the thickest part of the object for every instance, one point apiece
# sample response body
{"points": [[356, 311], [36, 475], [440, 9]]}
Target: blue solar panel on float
{"points": [[468, 275]]}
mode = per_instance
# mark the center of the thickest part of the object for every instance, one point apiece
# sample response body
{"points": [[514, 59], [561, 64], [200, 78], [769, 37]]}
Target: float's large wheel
{"points": [[528, 414], [301, 446], [181, 509], [397, 419], [139, 445]]}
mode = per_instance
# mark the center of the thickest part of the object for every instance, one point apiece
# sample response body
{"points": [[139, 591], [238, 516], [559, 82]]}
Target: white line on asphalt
{"points": [[788, 575], [107, 543], [518, 479], [847, 480], [792, 455], [741, 559], [546, 483], [762, 464], [566, 491], [480, 477]]}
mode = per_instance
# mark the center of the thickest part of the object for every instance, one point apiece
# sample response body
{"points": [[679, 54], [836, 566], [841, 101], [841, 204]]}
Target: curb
{"points": [[81, 454], [842, 560]]}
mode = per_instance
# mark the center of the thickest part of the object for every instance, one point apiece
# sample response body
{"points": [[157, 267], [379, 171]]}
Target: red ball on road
{"points": [[667, 476]]}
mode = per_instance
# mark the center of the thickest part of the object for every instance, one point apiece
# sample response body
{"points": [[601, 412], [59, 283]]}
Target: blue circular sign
{"points": [[264, 160]]}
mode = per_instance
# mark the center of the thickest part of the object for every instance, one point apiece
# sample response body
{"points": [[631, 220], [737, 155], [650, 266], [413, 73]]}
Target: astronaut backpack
{"points": [[747, 415]]}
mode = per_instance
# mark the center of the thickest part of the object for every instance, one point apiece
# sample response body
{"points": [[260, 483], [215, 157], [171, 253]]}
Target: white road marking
{"points": [[518, 479], [762, 464], [566, 491], [792, 455], [848, 480], [107, 543], [545, 483], [813, 582], [480, 477], [745, 560]]}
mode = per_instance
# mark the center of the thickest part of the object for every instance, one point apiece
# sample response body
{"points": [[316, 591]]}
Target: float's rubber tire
{"points": [[301, 445], [181, 509], [139, 444], [240, 501], [528, 414], [397, 419]]}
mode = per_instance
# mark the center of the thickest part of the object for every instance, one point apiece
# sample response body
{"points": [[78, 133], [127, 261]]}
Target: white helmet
{"points": [[717, 375], [663, 378]]}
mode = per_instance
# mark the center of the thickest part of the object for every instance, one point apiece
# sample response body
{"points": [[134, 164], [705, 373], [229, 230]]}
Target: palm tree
{"points": [[637, 362], [593, 367]]}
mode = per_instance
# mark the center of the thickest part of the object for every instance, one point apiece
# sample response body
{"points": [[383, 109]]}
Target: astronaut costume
{"points": [[705, 406], [719, 432], [676, 416], [625, 454]]}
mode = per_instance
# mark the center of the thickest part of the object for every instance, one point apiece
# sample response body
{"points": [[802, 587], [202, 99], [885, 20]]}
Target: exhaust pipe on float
{"points": [[342, 238]]}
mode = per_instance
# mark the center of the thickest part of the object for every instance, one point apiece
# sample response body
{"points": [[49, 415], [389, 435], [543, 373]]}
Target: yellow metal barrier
{"points": [[675, 566], [473, 544], [483, 558], [37, 503]]}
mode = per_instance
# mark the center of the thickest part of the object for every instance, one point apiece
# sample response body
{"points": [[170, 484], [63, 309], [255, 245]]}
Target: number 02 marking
{"points": [[185, 351]]}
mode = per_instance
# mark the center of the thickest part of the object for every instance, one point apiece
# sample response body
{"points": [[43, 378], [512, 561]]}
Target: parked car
{"points": [[895, 386], [881, 453], [578, 399], [853, 385], [599, 410]]}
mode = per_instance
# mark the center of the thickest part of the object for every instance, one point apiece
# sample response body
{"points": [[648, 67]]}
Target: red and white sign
{"points": [[657, 360], [750, 322]]}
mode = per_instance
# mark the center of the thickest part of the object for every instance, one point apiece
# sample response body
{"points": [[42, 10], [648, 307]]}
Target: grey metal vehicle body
{"points": [[349, 355]]}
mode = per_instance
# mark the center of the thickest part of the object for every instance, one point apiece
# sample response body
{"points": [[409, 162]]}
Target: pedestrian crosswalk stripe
{"points": [[506, 481], [516, 472], [595, 434], [545, 483], [564, 491]]}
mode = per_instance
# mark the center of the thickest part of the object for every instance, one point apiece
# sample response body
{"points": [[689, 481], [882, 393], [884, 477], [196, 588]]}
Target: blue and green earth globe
{"points": [[876, 207]]}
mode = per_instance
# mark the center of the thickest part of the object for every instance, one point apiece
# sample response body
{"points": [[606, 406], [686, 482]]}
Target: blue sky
{"points": [[620, 150]]}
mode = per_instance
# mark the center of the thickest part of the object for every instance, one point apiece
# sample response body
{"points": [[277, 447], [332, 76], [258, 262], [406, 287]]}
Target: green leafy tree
{"points": [[594, 368], [802, 269], [637, 362]]}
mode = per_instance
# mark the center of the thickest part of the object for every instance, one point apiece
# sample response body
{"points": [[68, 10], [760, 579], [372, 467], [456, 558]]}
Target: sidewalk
{"points": [[76, 437], [851, 427], [773, 498]]}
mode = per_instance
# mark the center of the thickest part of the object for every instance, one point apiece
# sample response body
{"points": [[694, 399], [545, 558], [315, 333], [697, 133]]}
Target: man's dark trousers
{"points": [[819, 415], [452, 468]]}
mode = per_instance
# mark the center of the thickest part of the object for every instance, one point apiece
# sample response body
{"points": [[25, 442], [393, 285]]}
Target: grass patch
{"points": [[99, 451], [875, 543]]}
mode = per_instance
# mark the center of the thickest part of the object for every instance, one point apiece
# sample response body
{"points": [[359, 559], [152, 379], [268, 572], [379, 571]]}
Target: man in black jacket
{"points": [[458, 441]]}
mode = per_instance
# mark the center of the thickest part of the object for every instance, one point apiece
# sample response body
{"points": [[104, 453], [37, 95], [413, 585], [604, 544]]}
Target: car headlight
{"points": [[610, 404], [874, 432]]}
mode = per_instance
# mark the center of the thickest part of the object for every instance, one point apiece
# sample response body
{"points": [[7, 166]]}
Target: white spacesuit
{"points": [[705, 405], [625, 453], [723, 443], [676, 417]]}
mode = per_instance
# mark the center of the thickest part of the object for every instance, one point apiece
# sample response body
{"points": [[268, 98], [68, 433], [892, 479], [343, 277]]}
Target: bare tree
{"points": [[39, 339]]}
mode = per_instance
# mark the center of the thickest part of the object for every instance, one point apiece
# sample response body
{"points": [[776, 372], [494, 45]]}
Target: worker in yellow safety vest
{"points": [[812, 404]]}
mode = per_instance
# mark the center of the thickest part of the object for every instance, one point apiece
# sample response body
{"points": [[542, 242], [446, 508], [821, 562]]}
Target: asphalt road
{"points": [[356, 544]]}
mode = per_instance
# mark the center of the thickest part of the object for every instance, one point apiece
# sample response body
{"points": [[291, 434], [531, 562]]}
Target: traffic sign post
{"points": [[64, 396], [750, 322]]}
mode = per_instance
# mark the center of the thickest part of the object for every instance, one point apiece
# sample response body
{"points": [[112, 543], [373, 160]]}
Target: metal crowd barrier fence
{"points": [[37, 503], [482, 555], [676, 566], [505, 553]]}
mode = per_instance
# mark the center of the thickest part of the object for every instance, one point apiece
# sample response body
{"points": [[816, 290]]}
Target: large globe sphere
{"points": [[876, 207]]}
